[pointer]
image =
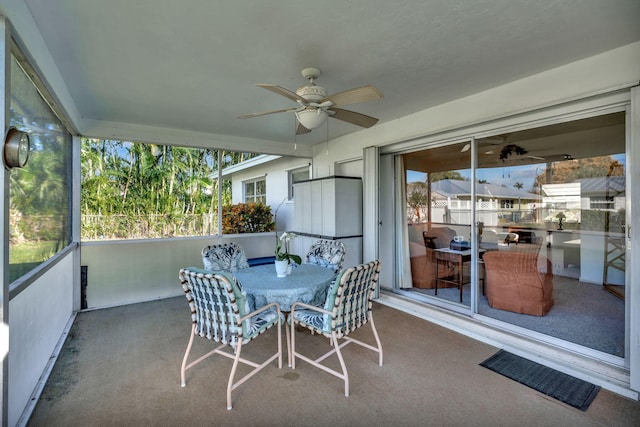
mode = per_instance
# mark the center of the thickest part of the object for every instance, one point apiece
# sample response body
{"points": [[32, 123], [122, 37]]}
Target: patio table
{"points": [[308, 283]]}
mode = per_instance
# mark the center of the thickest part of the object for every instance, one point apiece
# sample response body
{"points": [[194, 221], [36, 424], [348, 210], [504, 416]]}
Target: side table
{"points": [[457, 258]]}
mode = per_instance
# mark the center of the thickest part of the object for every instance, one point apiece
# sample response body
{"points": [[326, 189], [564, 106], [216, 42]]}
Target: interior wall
{"points": [[353, 168], [38, 317]]}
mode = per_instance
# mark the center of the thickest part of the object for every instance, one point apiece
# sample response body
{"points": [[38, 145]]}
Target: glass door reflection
{"points": [[438, 200], [552, 203]]}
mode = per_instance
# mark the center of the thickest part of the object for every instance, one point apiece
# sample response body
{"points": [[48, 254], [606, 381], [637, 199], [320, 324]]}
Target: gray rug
{"points": [[567, 389], [583, 314]]}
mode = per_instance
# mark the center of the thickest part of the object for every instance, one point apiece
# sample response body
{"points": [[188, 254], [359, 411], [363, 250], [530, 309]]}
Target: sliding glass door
{"points": [[549, 208], [438, 213], [561, 211]]}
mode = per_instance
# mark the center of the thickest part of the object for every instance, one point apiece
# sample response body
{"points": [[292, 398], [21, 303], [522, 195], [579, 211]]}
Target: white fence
{"points": [[453, 211]]}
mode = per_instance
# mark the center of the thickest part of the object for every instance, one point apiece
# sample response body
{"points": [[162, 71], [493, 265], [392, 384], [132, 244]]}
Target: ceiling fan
{"points": [[509, 152], [315, 106]]}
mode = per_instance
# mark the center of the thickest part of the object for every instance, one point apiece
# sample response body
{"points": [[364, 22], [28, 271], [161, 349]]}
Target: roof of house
{"points": [[459, 188], [613, 184]]}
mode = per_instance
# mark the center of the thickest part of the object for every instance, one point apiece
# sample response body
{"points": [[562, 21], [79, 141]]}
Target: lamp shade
{"points": [[311, 118]]}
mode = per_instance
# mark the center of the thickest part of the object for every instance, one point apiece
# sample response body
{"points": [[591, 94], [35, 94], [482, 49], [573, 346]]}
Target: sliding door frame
{"points": [[621, 99]]}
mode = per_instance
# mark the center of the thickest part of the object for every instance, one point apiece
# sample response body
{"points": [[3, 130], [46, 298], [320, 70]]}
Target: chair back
{"points": [[327, 253], [517, 281], [217, 303], [350, 299], [227, 257]]}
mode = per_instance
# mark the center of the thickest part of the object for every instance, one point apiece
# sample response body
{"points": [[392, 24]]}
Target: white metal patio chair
{"points": [[220, 312], [327, 253], [229, 257], [347, 308]]}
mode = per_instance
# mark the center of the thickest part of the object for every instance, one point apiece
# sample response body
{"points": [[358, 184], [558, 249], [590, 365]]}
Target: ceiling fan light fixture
{"points": [[311, 118]]}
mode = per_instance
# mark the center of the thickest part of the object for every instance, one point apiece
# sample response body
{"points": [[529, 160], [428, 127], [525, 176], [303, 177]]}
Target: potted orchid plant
{"points": [[284, 259], [282, 249]]}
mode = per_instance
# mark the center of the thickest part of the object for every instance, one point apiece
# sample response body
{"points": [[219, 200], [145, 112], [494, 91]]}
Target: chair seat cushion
{"points": [[313, 319], [261, 322]]}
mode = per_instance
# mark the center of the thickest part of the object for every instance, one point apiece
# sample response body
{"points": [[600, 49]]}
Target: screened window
{"points": [[255, 191], [40, 193], [131, 190], [506, 203], [601, 203]]}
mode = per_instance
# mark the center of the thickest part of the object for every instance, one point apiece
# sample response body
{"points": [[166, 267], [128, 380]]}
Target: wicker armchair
{"points": [[422, 258], [514, 282]]}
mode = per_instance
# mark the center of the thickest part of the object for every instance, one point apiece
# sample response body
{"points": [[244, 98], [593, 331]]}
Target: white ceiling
{"points": [[192, 65]]}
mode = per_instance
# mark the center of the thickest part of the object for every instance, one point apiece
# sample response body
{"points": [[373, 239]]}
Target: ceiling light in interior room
{"points": [[311, 118]]}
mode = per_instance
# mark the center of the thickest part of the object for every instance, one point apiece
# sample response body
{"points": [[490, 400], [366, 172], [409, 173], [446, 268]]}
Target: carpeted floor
{"points": [[121, 367], [582, 313]]}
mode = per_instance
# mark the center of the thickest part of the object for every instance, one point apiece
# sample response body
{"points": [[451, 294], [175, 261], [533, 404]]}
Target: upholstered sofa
{"points": [[423, 264], [516, 281]]}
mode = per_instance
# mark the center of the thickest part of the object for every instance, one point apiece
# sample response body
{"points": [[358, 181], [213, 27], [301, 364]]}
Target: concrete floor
{"points": [[121, 367]]}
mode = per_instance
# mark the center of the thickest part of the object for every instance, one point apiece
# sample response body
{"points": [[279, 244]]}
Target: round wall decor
{"points": [[16, 148]]}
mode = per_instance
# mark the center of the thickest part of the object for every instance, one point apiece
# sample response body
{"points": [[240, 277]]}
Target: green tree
{"points": [[417, 200], [143, 190], [439, 176], [571, 170]]}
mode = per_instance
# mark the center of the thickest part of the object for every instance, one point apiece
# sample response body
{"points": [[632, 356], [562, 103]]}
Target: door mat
{"points": [[567, 389]]}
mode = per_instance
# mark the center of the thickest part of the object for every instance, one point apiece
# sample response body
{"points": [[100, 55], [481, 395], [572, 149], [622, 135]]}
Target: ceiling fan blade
{"points": [[353, 117], [353, 96], [264, 113], [284, 92], [300, 130]]}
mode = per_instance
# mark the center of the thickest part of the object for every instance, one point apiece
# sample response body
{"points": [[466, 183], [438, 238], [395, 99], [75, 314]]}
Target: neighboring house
{"points": [[604, 193], [269, 179], [600, 194], [451, 202]]}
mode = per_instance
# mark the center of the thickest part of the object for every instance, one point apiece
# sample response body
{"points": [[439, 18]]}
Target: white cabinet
{"points": [[329, 208]]}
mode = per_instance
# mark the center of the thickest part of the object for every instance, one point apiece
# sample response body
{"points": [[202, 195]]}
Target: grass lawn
{"points": [[24, 257]]}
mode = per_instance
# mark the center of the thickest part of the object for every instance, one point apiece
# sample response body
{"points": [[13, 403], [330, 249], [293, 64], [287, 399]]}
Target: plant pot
{"points": [[282, 267]]}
